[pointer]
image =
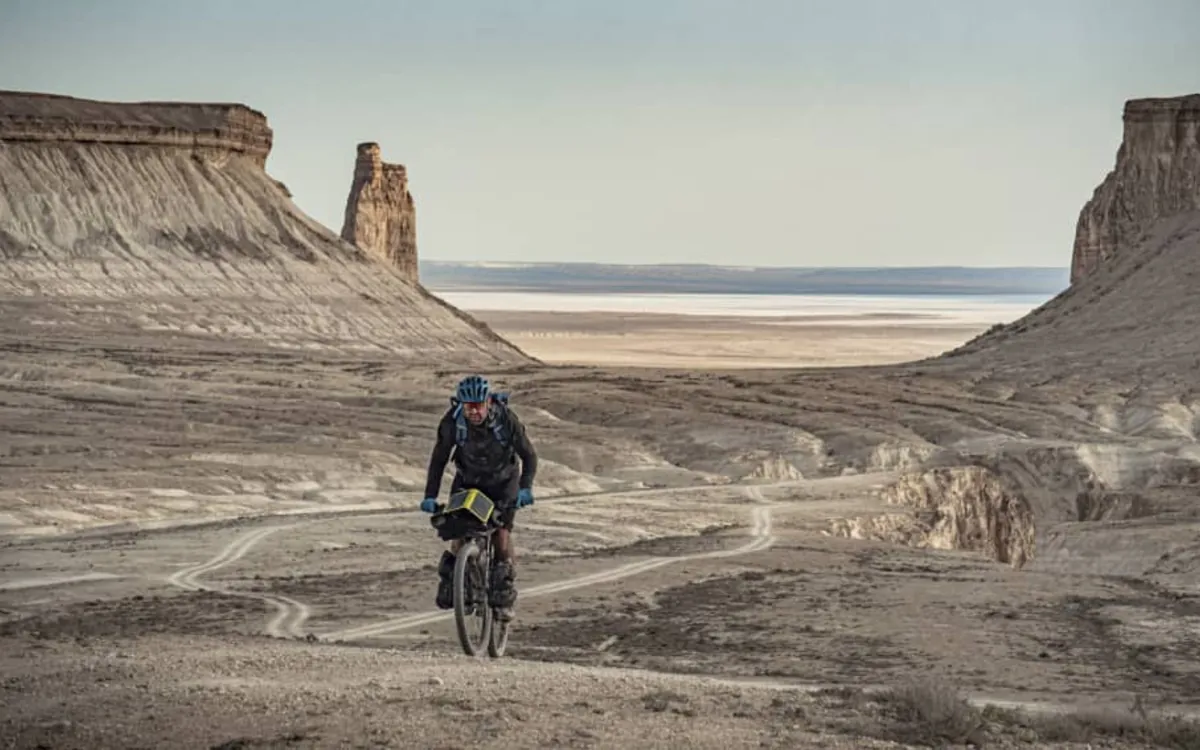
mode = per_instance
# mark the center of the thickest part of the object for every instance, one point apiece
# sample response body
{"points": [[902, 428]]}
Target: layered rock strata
{"points": [[234, 128], [380, 216], [1131, 314], [1156, 175]]}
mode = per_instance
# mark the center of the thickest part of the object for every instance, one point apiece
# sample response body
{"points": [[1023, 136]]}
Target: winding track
{"points": [[761, 538], [290, 614]]}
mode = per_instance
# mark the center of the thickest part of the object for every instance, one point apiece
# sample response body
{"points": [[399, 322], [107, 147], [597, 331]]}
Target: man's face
{"points": [[475, 411]]}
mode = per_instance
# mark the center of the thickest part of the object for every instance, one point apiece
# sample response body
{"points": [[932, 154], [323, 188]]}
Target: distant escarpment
{"points": [[233, 128], [160, 216], [1132, 311], [380, 216], [1157, 175]]}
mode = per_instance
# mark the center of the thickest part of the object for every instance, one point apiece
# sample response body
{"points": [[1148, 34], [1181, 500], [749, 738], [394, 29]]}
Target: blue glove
{"points": [[524, 497], [429, 505]]}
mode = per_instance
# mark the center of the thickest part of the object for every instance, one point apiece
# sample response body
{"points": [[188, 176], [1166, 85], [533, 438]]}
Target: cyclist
{"points": [[485, 439]]}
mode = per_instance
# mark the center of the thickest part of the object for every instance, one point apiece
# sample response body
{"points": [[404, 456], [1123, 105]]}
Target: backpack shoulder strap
{"points": [[501, 426], [460, 421]]}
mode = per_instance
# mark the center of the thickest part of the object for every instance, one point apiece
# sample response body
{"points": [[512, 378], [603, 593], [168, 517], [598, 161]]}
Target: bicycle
{"points": [[470, 516]]}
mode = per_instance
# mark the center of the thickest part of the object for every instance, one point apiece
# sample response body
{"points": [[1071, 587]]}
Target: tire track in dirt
{"points": [[761, 538], [290, 615]]}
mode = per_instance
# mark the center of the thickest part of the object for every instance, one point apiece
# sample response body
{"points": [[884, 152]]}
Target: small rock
{"points": [[60, 725]]}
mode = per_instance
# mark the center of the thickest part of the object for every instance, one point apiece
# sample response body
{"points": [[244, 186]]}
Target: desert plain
{"points": [[726, 341], [213, 433]]}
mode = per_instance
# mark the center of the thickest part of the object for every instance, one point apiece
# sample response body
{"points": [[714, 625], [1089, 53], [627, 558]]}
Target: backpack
{"points": [[500, 427]]}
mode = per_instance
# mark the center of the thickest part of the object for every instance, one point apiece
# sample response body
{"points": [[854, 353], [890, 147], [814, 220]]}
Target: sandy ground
{"points": [[724, 341], [206, 547]]}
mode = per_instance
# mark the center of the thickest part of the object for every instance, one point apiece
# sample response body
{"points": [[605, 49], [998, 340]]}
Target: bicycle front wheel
{"points": [[472, 613]]}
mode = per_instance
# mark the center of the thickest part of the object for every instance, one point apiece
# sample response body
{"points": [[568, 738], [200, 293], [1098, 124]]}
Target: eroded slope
{"points": [[160, 217]]}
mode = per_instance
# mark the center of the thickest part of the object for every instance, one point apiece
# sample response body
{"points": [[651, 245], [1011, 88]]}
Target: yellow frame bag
{"points": [[465, 511]]}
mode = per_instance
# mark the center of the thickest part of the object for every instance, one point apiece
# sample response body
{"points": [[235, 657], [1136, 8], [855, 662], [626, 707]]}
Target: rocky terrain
{"points": [[213, 445], [380, 215]]}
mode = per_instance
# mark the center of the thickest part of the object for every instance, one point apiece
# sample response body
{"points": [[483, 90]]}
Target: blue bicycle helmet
{"points": [[473, 389]]}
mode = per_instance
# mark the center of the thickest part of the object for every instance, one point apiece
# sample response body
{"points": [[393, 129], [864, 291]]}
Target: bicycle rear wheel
{"points": [[471, 606]]}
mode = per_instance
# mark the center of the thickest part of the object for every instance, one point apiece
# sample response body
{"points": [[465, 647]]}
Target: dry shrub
{"points": [[933, 713], [1134, 725], [926, 712]]}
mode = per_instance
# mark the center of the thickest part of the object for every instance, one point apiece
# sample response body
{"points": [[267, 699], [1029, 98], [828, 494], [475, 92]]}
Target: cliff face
{"points": [[1157, 175], [233, 128], [160, 216], [1132, 310], [380, 216]]}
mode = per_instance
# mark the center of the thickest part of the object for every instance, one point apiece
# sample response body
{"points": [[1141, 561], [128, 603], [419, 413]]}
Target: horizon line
{"points": [[1064, 267]]}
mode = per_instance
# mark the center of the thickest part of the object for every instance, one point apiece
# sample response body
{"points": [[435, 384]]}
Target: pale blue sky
{"points": [[845, 132]]}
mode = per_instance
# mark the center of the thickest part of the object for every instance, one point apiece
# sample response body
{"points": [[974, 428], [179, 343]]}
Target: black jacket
{"points": [[482, 459]]}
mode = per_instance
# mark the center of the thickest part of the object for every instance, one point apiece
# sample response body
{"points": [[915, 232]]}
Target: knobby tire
{"points": [[468, 556], [498, 639]]}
